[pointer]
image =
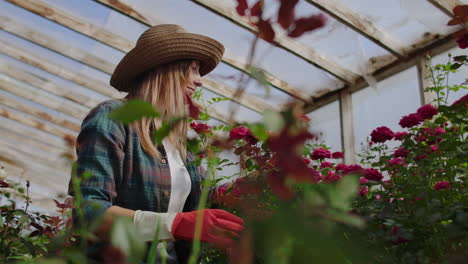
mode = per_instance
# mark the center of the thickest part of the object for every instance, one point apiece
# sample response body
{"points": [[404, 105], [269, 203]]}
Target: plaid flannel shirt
{"points": [[122, 173]]}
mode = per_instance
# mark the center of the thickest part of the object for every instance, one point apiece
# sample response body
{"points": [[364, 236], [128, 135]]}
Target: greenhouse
{"points": [[233, 131]]}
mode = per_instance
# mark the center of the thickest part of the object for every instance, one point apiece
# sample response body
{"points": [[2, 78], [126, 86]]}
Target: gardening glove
{"points": [[150, 223], [218, 227]]}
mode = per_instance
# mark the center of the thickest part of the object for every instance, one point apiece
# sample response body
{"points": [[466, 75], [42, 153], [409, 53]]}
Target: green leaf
{"points": [[134, 110], [455, 66], [259, 131], [125, 236], [346, 190], [165, 129], [273, 120]]}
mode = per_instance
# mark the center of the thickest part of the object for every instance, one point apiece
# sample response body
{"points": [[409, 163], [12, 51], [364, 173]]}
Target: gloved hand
{"points": [[218, 227]]}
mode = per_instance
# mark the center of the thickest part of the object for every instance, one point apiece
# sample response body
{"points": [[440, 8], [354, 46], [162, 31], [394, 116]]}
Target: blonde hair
{"points": [[163, 88]]}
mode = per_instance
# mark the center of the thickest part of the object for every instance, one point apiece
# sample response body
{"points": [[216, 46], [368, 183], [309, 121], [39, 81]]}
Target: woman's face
{"points": [[194, 79]]}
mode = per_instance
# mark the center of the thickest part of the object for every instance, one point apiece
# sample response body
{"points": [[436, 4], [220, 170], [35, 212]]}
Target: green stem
{"points": [[198, 225]]}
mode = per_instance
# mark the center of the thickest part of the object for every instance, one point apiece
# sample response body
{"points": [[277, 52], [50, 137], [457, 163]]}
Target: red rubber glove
{"points": [[218, 227]]}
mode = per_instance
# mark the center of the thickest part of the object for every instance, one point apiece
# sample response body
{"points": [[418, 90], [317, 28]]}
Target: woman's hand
{"points": [[219, 227]]}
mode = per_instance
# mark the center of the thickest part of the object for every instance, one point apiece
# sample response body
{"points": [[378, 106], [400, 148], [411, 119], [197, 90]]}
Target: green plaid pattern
{"points": [[122, 173]]}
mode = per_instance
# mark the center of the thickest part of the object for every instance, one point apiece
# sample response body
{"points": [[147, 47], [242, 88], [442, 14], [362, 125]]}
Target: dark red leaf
{"points": [[286, 13], [241, 7], [265, 30], [306, 24], [37, 226], [455, 21], [35, 233], [257, 9], [461, 10], [3, 184], [60, 205]]}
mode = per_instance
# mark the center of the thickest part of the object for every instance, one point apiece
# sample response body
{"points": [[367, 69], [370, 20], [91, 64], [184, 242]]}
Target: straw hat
{"points": [[163, 44]]}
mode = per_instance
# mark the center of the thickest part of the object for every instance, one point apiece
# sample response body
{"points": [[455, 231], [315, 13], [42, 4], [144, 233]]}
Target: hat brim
{"points": [[173, 47]]}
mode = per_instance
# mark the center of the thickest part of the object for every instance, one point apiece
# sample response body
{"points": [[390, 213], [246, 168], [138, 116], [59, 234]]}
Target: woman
{"points": [[130, 175]]}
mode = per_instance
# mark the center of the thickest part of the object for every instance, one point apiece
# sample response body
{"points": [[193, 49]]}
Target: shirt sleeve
{"points": [[100, 152]]}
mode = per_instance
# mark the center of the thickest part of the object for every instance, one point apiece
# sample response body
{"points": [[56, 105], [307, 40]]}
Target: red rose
{"points": [[307, 161], [427, 111], [442, 185], [411, 120], [353, 168], [332, 177], [401, 153], [363, 190], [200, 128], [337, 155], [400, 135], [341, 167], [242, 133], [363, 180], [372, 174], [381, 134], [396, 162], [320, 154], [316, 176], [326, 164]]}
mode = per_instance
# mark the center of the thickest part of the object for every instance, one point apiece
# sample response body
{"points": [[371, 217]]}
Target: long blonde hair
{"points": [[163, 88]]}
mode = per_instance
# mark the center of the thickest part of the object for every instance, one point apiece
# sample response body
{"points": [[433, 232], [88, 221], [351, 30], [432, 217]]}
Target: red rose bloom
{"points": [[307, 161], [326, 164], [396, 161], [242, 133], [332, 177], [381, 134], [400, 135], [463, 41], [316, 176], [353, 168], [341, 167], [363, 190], [320, 154], [363, 180], [442, 185], [372, 174], [200, 128], [411, 120], [337, 155], [427, 111], [401, 153]]}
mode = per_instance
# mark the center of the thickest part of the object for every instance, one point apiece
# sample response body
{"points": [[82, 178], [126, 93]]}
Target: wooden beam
{"points": [[19, 105], [149, 20], [347, 126], [446, 6], [436, 47], [422, 66], [25, 75], [42, 97], [302, 51], [22, 30], [29, 141], [32, 122], [359, 24], [47, 139], [228, 92], [73, 22], [56, 69], [38, 173]]}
